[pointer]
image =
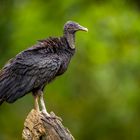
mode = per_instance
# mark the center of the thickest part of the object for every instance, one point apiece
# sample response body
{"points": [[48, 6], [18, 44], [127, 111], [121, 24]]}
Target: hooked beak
{"points": [[81, 28]]}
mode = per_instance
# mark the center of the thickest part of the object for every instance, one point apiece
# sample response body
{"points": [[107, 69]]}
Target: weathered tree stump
{"points": [[38, 126]]}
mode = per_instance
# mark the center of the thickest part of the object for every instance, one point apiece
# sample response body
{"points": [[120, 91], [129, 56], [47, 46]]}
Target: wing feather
{"points": [[28, 70]]}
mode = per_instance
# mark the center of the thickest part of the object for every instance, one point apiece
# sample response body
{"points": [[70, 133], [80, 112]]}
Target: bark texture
{"points": [[38, 126]]}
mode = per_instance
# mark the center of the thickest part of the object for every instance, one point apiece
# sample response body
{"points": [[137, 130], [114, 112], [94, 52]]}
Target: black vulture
{"points": [[32, 69]]}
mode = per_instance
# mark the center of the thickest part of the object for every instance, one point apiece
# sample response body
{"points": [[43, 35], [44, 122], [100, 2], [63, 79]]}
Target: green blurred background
{"points": [[98, 97]]}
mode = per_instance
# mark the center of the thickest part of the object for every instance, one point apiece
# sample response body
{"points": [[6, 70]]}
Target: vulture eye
{"points": [[70, 26]]}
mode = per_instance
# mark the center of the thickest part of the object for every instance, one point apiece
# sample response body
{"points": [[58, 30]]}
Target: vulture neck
{"points": [[70, 38]]}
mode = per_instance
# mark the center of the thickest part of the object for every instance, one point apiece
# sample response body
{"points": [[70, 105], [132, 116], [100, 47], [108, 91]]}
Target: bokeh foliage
{"points": [[99, 96]]}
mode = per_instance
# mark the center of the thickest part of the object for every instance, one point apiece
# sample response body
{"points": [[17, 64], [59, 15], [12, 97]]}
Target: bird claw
{"points": [[51, 116], [46, 113], [57, 118]]}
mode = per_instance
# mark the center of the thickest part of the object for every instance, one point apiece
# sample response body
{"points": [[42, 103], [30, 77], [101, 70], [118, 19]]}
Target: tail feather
{"points": [[5, 86], [8, 86], [19, 90], [14, 86]]}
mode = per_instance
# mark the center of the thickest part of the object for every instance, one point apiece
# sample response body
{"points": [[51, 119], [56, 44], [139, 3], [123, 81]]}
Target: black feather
{"points": [[32, 68]]}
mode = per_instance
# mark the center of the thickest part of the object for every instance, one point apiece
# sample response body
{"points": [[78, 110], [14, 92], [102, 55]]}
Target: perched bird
{"points": [[32, 69]]}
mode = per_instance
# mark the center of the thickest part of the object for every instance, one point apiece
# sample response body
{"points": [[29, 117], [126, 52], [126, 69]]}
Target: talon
{"points": [[57, 118], [46, 113], [50, 116]]}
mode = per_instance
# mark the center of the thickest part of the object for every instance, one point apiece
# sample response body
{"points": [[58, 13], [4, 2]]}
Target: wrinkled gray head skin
{"points": [[72, 27]]}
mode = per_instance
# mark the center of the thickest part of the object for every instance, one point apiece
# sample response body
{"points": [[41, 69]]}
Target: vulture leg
{"points": [[42, 103], [36, 105]]}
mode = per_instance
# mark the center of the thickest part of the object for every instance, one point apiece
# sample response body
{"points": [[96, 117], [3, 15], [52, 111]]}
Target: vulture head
{"points": [[72, 27]]}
